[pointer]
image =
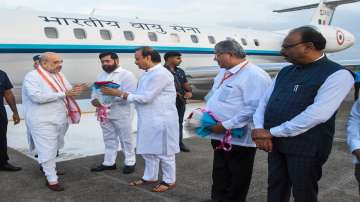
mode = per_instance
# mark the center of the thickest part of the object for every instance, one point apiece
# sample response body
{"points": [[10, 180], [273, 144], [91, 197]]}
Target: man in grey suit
{"points": [[295, 120]]}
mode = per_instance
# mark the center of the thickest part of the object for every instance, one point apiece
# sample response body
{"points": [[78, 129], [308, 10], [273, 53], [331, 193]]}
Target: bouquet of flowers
{"points": [[201, 122], [105, 100]]}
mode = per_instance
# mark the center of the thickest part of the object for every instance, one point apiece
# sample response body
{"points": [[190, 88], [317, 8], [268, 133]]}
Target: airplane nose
{"points": [[350, 39]]}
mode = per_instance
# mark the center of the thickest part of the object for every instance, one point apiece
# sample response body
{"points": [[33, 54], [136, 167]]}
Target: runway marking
{"points": [[336, 139]]}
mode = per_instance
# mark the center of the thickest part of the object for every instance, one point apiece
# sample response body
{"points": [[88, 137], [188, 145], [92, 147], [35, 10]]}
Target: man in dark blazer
{"points": [[295, 120]]}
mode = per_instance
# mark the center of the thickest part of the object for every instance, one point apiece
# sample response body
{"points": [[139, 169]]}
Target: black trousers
{"points": [[232, 173], [180, 106], [293, 172], [356, 91], [357, 174], [3, 142]]}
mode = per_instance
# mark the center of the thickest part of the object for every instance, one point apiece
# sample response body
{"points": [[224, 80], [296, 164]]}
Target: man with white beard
{"points": [[47, 95], [158, 126]]}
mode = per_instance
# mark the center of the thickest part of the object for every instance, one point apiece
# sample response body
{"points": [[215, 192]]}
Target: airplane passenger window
{"points": [[244, 42], [79, 33], [51, 32], [175, 38], [152, 36], [256, 42], [211, 39], [129, 35], [105, 34], [194, 38]]}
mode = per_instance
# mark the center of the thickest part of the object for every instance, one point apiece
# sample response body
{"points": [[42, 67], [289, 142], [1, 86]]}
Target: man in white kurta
{"points": [[233, 100], [158, 127], [117, 125], [46, 113]]}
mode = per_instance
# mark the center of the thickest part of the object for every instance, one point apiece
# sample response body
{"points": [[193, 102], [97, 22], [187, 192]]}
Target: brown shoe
{"points": [[55, 187]]}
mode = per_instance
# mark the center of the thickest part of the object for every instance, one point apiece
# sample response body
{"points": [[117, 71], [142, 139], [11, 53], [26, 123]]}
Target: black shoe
{"points": [[129, 169], [9, 167], [183, 148], [102, 168]]}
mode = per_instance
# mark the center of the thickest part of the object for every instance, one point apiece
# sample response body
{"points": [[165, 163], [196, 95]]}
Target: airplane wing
{"points": [[201, 78]]}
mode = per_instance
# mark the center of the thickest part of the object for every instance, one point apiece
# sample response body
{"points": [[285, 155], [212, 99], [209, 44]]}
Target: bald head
{"points": [[51, 62]]}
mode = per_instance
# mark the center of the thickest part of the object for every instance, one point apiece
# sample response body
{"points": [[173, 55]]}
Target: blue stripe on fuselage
{"points": [[67, 48]]}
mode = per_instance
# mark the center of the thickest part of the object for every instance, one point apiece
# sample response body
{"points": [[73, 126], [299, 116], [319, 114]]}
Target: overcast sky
{"points": [[255, 14]]}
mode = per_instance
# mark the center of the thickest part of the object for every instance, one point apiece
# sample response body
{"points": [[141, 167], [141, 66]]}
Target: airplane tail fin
{"points": [[324, 12]]}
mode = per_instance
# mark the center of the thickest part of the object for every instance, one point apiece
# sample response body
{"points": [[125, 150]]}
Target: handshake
{"points": [[262, 139]]}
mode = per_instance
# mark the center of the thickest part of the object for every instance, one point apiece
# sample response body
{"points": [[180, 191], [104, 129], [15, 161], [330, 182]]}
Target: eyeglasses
{"points": [[292, 45]]}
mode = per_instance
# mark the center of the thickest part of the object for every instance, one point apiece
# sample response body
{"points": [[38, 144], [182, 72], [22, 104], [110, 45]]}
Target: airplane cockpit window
{"points": [[175, 38], [152, 36], [211, 39], [51, 32], [244, 42], [79, 33], [129, 35], [256, 42], [194, 38], [105, 34]]}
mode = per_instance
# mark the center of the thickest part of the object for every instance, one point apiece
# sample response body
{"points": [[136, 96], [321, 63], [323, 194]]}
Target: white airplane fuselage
{"points": [[23, 35]]}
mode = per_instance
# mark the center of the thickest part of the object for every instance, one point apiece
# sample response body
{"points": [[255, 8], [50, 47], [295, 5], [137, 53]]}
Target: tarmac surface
{"points": [[338, 183]]}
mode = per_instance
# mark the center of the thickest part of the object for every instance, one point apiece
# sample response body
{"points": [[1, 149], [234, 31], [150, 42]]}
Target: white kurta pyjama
{"points": [[118, 126], [46, 118], [158, 127]]}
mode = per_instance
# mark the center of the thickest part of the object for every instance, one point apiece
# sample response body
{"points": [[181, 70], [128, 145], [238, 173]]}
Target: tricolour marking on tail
{"points": [[324, 10]]}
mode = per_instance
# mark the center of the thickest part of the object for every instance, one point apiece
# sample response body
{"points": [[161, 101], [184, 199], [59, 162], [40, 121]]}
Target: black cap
{"points": [[36, 57]]}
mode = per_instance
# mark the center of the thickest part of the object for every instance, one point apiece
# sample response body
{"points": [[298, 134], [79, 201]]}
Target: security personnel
{"points": [[5, 92], [183, 89]]}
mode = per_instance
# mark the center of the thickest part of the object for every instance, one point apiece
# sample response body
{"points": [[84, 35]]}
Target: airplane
{"points": [[80, 38]]}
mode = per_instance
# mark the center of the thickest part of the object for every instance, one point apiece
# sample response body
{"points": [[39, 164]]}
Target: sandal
{"points": [[141, 182], [163, 186]]}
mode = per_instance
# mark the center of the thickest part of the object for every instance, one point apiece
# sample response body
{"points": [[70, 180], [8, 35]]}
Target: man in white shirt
{"points": [[353, 138], [233, 100], [295, 120], [45, 93], [158, 127], [117, 127]]}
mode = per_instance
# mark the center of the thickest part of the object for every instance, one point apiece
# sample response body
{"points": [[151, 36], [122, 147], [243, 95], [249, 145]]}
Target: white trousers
{"points": [[115, 131], [49, 168], [168, 167], [48, 138]]}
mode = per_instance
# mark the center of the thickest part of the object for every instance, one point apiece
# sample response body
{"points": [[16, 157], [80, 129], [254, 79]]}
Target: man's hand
{"points": [[260, 133], [187, 95], [218, 128], [95, 102], [262, 139], [264, 144], [356, 152], [81, 87], [16, 118], [111, 91], [73, 92]]}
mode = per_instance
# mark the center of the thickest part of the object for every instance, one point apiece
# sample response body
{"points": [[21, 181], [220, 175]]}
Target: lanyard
{"points": [[229, 74]]}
